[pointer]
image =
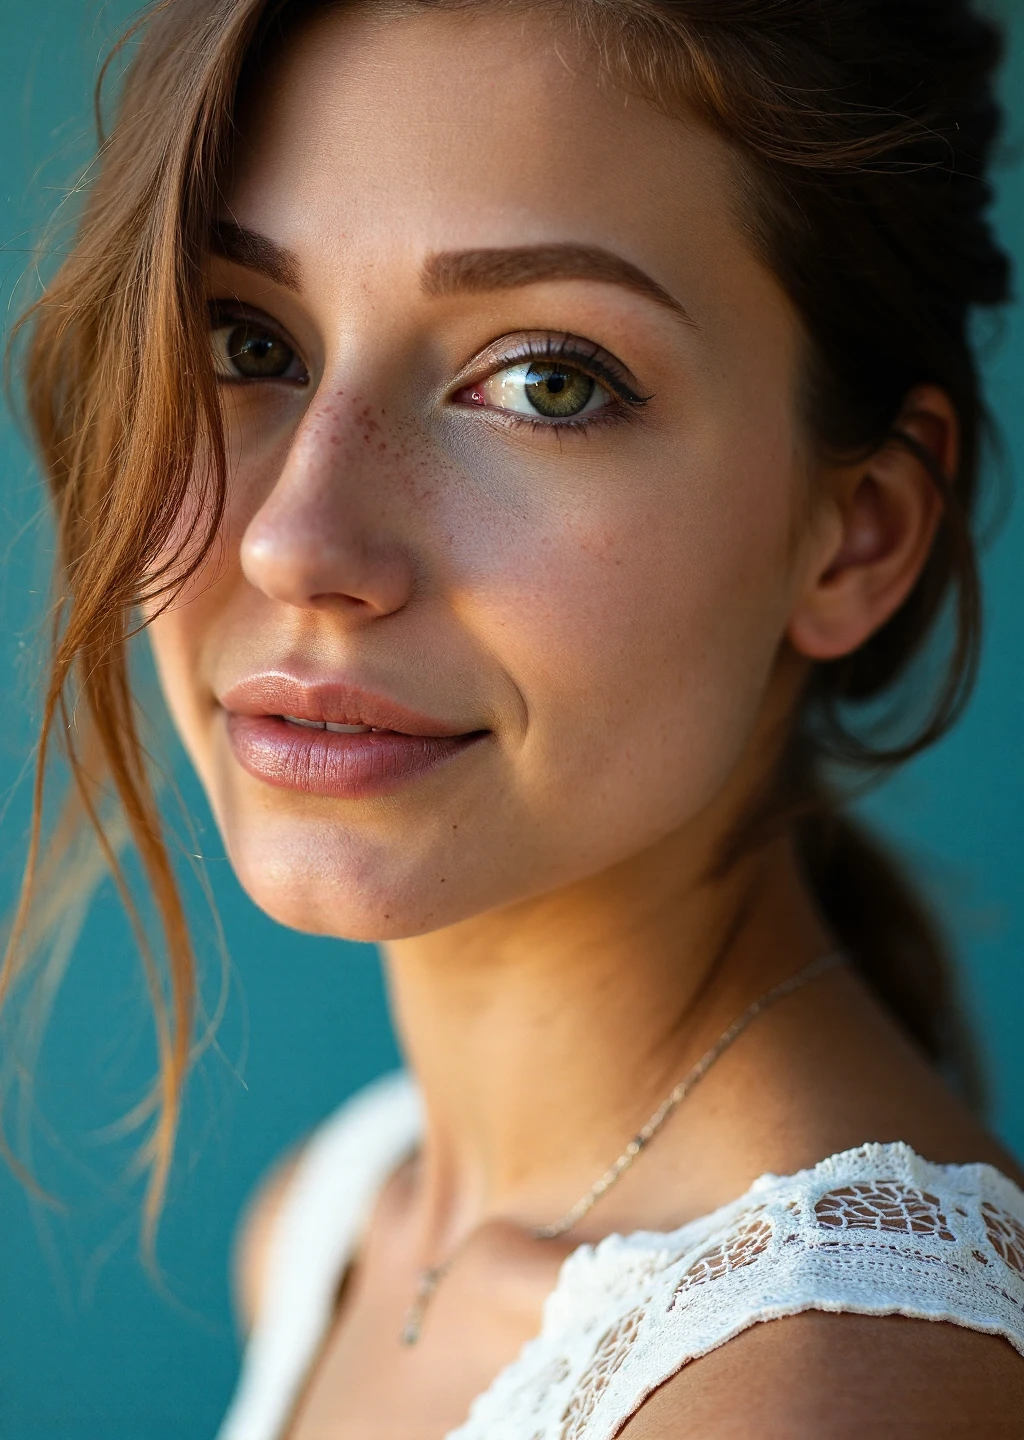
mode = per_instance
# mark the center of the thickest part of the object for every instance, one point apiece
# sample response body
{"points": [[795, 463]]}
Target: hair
{"points": [[862, 131]]}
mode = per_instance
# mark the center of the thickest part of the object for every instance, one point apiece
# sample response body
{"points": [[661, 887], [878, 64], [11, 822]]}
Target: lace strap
{"points": [[874, 1231]]}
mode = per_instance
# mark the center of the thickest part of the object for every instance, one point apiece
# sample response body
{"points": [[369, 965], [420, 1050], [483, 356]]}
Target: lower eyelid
{"points": [[613, 414]]}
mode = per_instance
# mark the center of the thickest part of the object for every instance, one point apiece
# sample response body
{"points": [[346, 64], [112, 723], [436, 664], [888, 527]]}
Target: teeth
{"points": [[328, 725]]}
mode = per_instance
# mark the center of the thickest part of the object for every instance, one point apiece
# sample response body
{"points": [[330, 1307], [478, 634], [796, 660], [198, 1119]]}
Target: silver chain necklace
{"points": [[431, 1277]]}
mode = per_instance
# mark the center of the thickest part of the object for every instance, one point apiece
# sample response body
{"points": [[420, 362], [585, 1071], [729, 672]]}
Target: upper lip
{"points": [[276, 692]]}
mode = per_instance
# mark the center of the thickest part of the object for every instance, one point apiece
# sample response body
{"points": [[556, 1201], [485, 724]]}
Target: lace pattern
{"points": [[873, 1231]]}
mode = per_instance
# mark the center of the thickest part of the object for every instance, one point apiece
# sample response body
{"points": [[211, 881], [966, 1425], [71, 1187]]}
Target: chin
{"points": [[328, 884]]}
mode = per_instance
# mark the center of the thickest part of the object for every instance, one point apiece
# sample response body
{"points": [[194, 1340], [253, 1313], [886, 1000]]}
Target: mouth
{"points": [[335, 740]]}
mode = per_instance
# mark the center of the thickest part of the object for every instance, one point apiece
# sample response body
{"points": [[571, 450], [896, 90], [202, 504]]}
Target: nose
{"points": [[322, 535]]}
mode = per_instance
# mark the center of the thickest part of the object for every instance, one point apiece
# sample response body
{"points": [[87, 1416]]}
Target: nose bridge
{"points": [[325, 530]]}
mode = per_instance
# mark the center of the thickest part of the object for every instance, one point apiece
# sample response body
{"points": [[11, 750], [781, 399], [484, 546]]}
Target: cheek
{"points": [[642, 632], [176, 639], [188, 638], [181, 635]]}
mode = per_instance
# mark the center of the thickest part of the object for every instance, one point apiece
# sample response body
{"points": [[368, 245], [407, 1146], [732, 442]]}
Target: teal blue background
{"points": [[90, 1347]]}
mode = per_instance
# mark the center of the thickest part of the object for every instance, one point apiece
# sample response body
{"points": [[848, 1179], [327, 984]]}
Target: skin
{"points": [[629, 612]]}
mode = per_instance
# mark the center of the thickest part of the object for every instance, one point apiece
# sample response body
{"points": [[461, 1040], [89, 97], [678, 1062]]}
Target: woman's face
{"points": [[514, 480]]}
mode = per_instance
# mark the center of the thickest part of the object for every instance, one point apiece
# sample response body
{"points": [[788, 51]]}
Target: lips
{"points": [[334, 739], [276, 692]]}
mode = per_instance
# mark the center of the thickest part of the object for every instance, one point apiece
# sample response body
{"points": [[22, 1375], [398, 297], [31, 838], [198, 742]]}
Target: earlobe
{"points": [[883, 516]]}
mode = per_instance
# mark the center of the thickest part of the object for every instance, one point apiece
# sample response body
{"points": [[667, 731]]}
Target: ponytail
{"points": [[887, 932]]}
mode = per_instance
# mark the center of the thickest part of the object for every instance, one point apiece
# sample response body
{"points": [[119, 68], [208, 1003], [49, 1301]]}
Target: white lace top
{"points": [[874, 1231]]}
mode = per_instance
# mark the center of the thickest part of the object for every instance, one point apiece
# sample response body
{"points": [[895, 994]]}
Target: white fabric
{"points": [[329, 1200], [873, 1231]]}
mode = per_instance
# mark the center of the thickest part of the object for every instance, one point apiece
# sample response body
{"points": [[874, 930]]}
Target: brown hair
{"points": [[863, 130]]}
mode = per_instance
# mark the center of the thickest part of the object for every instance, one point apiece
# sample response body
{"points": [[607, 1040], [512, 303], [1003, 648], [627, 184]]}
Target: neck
{"points": [[543, 1035]]}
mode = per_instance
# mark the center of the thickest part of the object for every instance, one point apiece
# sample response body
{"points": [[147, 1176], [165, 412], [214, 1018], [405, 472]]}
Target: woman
{"points": [[538, 439]]}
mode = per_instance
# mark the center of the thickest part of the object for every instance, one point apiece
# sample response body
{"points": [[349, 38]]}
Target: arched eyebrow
{"points": [[256, 252], [464, 272]]}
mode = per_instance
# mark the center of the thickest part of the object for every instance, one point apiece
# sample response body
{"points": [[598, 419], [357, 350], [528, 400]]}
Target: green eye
{"points": [[543, 389], [249, 350], [558, 391]]}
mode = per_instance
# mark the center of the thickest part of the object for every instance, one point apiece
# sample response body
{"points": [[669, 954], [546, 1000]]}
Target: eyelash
{"points": [[582, 355]]}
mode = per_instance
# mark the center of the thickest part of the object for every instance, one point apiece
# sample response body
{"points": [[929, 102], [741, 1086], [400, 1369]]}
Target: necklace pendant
{"points": [[416, 1313]]}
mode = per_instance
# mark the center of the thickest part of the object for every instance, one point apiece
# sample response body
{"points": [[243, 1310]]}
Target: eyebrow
{"points": [[255, 252], [465, 272]]}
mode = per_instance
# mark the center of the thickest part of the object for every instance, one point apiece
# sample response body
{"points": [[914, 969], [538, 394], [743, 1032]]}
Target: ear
{"points": [[873, 531]]}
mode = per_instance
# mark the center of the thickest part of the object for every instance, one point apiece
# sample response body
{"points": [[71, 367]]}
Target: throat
{"points": [[542, 1052]]}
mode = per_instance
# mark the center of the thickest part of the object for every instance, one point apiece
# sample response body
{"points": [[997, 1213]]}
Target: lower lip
{"points": [[324, 762]]}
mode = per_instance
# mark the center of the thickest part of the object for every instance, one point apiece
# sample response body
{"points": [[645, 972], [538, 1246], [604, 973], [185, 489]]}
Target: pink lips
{"points": [[401, 745]]}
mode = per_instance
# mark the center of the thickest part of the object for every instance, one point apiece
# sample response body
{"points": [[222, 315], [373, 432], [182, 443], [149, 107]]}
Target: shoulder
{"points": [[875, 1229], [821, 1376], [876, 1293]]}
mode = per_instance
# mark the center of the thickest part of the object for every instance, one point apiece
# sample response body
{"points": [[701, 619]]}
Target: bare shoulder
{"points": [[840, 1377], [252, 1235]]}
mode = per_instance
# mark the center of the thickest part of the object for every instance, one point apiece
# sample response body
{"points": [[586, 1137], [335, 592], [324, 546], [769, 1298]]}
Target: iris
{"points": [[557, 390]]}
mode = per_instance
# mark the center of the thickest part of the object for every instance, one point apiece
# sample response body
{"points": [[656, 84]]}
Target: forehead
{"points": [[408, 132]]}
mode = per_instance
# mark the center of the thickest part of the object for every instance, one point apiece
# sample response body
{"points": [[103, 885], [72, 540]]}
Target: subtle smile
{"points": [[334, 740]]}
